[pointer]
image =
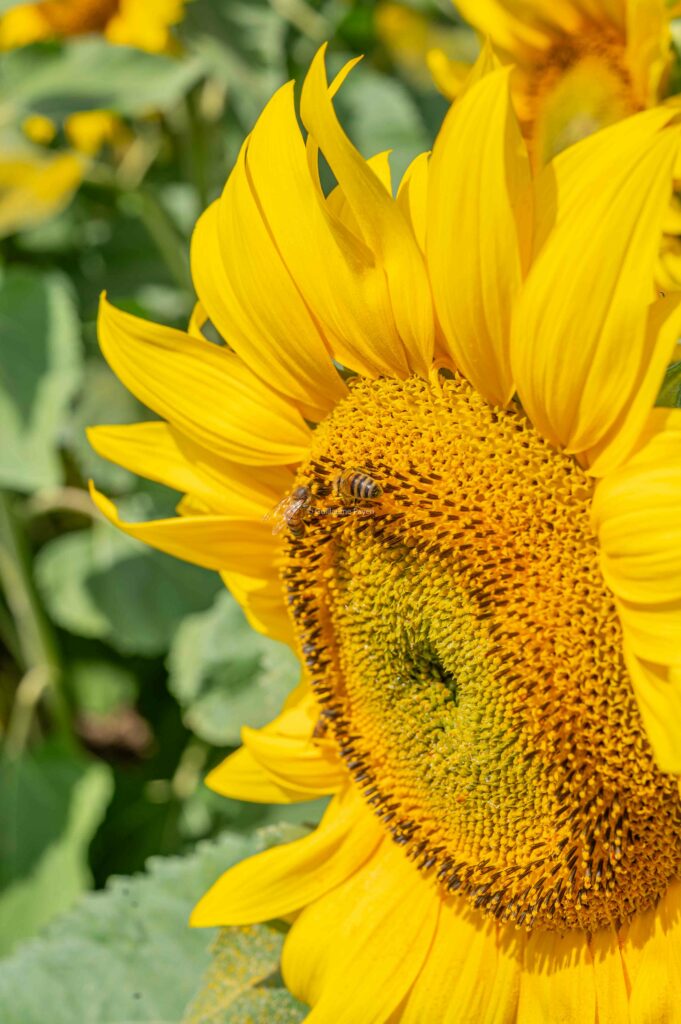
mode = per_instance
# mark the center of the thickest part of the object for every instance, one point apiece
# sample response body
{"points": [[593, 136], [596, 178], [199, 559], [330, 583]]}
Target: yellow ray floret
{"points": [[426, 452]]}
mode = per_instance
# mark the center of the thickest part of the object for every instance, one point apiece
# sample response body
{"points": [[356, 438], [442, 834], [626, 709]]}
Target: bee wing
{"points": [[277, 515]]}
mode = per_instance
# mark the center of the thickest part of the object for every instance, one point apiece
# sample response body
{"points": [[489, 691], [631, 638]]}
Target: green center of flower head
{"points": [[444, 583]]}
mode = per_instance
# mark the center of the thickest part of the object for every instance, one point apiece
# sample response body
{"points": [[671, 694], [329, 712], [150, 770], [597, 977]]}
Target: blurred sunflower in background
{"points": [[421, 445], [146, 25], [37, 185], [579, 65]]}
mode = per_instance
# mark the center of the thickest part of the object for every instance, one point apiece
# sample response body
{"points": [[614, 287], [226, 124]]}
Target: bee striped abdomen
{"points": [[358, 486]]}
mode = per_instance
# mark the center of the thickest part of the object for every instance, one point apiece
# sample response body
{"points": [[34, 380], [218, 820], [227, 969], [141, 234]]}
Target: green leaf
{"points": [[670, 392], [51, 806], [90, 74], [127, 954], [40, 371], [101, 687], [243, 983], [225, 675], [99, 583], [104, 400]]}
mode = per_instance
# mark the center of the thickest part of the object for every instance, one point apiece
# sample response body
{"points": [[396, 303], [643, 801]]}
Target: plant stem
{"points": [[164, 233], [38, 646]]}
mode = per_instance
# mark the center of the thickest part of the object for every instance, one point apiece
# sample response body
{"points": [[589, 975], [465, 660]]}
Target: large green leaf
{"points": [[51, 804], [100, 583], [226, 675], [125, 955], [243, 983], [90, 74], [40, 370]]}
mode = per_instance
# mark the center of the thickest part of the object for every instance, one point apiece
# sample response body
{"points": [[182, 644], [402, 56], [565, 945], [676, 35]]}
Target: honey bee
{"points": [[355, 484], [289, 512], [321, 728]]}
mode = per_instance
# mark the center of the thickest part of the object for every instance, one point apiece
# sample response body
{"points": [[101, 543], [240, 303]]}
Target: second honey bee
{"points": [[290, 512], [356, 485]]}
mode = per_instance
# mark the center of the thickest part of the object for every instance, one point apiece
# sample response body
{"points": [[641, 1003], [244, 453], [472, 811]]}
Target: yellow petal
{"points": [[214, 542], [287, 752], [285, 878], [662, 329], [648, 50], [612, 995], [160, 452], [467, 976], [575, 374], [241, 777], [557, 982], [636, 513], [412, 196], [295, 762], [197, 321], [235, 262], [652, 954], [384, 228], [262, 601], [658, 695], [337, 203], [479, 224], [203, 389], [335, 272], [354, 953], [448, 75]]}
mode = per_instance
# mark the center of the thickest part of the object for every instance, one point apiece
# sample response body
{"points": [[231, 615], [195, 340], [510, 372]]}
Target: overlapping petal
{"points": [[479, 230], [285, 878], [160, 452], [354, 953], [637, 516], [235, 262], [282, 756], [582, 352], [203, 389], [386, 232]]}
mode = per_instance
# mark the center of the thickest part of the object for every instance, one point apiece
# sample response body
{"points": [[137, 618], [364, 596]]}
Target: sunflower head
{"points": [[427, 455]]}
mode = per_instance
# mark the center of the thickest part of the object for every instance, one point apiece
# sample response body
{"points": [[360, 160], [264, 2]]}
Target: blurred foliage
{"points": [[125, 676]]}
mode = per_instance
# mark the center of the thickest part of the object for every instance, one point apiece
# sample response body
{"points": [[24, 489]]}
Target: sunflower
{"points": [[448, 400], [144, 24], [580, 64]]}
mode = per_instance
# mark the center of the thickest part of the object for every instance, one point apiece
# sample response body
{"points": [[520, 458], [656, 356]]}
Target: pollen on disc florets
{"points": [[467, 657]]}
